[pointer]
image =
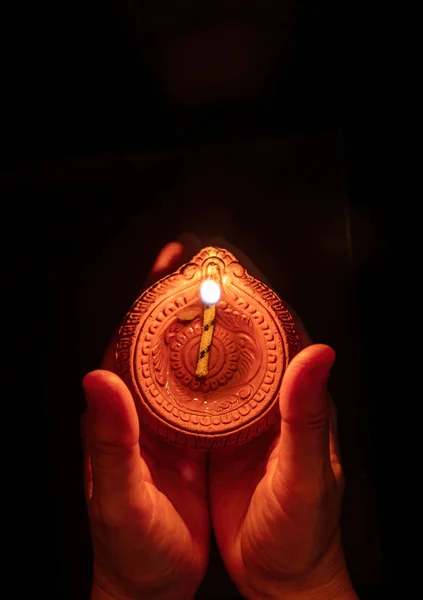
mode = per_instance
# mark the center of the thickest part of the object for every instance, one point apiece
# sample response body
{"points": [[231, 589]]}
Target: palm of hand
{"points": [[147, 504], [240, 492], [164, 528], [273, 524], [178, 489]]}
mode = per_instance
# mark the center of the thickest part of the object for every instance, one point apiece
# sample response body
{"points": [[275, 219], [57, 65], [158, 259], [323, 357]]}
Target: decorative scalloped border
{"points": [[182, 428]]}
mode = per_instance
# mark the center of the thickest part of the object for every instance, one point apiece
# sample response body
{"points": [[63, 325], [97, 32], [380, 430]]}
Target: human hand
{"points": [[147, 500], [276, 501]]}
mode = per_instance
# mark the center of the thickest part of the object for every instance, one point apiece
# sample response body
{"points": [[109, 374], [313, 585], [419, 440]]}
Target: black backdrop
{"points": [[102, 164]]}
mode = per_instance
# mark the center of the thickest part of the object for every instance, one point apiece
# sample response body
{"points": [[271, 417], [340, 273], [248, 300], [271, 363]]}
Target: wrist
{"points": [[97, 593], [328, 580], [330, 591], [323, 592]]}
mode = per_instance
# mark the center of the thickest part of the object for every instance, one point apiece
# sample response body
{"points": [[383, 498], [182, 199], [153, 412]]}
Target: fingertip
{"points": [[191, 242], [315, 357], [167, 258], [304, 385], [104, 388], [112, 415], [101, 379], [175, 253]]}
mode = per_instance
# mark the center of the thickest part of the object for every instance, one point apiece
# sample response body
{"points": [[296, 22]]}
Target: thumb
{"points": [[113, 433], [304, 406]]}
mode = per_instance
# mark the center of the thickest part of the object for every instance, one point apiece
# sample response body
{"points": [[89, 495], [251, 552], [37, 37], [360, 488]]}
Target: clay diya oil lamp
{"points": [[203, 352]]}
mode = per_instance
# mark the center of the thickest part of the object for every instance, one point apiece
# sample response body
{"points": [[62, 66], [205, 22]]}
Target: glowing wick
{"points": [[210, 295], [210, 292]]}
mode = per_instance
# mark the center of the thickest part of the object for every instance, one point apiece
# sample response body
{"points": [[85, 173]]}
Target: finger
{"points": [[304, 407], [170, 258], [88, 480], [173, 255], [113, 435]]}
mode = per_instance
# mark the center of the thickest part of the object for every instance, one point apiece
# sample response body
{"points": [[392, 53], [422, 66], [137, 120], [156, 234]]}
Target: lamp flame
{"points": [[210, 292]]}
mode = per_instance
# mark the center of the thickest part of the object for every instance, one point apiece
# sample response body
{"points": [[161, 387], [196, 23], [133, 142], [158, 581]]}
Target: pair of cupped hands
{"points": [[274, 503]]}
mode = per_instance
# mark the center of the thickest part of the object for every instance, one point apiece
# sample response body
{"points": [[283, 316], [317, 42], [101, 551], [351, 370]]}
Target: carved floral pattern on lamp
{"points": [[253, 340]]}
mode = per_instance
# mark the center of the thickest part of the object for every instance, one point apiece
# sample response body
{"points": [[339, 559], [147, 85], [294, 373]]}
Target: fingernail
{"points": [[320, 372], [91, 397]]}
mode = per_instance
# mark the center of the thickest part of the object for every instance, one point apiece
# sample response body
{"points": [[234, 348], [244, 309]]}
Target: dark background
{"points": [[118, 137]]}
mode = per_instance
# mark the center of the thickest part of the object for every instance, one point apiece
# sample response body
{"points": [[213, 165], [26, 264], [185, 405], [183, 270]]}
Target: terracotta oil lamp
{"points": [[203, 352]]}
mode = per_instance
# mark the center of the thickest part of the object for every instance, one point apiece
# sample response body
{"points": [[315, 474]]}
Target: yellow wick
{"points": [[209, 318], [210, 294]]}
